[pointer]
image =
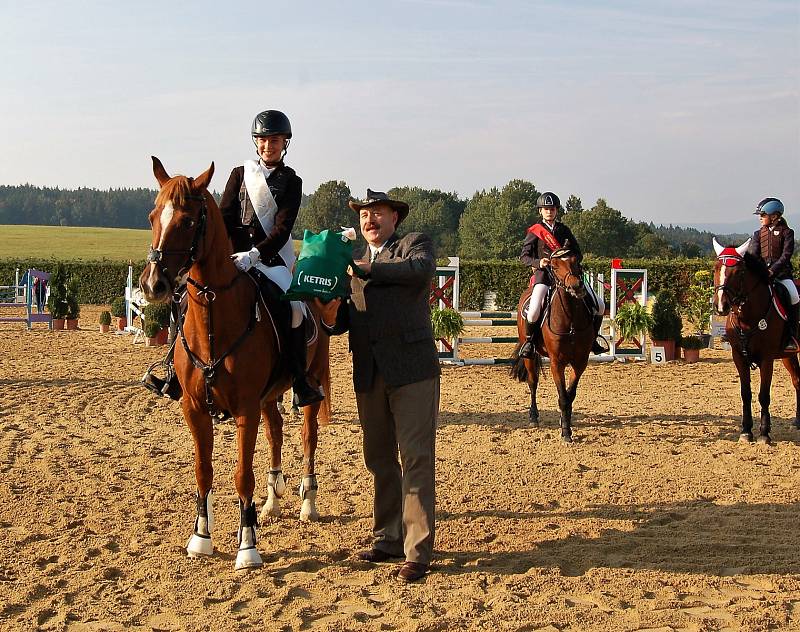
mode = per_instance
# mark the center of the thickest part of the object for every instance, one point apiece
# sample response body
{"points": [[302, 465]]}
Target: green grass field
{"points": [[73, 243], [68, 243]]}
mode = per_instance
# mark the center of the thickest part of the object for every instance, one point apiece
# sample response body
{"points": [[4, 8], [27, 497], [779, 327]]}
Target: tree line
{"points": [[489, 225]]}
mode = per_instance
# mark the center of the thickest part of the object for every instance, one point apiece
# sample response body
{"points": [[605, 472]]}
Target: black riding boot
{"points": [[169, 386], [526, 350], [791, 323], [597, 346], [304, 393]]}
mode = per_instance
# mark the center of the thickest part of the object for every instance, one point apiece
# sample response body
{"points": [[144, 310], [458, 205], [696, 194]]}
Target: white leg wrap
{"points": [[200, 543], [248, 555], [276, 488], [308, 496]]}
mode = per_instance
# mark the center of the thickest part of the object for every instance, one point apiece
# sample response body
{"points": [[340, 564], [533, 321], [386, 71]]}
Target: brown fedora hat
{"points": [[378, 197]]}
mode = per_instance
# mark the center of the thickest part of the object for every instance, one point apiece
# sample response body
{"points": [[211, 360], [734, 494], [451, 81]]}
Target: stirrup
{"points": [[169, 387], [305, 394], [792, 345], [600, 347]]}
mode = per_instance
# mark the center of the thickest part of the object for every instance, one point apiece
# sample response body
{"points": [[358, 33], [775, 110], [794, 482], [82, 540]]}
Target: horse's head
{"points": [[179, 222], [568, 272], [729, 277]]}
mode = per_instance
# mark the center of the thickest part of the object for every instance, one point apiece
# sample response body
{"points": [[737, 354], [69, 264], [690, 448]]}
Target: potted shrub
{"points": [[151, 329], [158, 313], [73, 307], [691, 348], [118, 312], [57, 303], [665, 330], [698, 307], [447, 323], [632, 320], [105, 321]]}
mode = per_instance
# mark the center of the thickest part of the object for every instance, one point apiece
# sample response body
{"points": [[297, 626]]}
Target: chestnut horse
{"points": [[228, 358], [755, 330], [567, 337]]}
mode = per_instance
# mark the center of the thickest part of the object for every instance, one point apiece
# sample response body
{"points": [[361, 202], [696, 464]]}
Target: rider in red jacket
{"points": [[541, 240]]}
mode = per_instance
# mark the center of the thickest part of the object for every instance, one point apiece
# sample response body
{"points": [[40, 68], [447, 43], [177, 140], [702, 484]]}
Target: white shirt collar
{"points": [[549, 226]]}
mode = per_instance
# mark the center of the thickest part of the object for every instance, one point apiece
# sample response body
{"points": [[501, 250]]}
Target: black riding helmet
{"points": [[548, 198], [271, 123]]}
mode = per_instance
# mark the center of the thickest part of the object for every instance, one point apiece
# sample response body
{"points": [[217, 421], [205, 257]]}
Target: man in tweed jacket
{"points": [[396, 381]]}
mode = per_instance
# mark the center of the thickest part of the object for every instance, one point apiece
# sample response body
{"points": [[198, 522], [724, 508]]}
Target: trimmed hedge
{"points": [[99, 281], [102, 281], [510, 278]]}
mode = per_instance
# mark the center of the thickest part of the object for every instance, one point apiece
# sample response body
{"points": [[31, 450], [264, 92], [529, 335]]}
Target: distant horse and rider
{"points": [[758, 327], [231, 359], [567, 335]]}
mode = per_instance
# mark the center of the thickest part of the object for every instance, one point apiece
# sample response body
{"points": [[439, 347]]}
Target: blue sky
{"points": [[676, 111]]}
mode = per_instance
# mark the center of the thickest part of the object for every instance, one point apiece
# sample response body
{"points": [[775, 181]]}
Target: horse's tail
{"points": [[518, 369], [324, 376]]}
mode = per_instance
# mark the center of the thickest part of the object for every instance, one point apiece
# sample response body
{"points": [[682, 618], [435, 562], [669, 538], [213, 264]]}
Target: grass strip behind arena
{"points": [[73, 243]]}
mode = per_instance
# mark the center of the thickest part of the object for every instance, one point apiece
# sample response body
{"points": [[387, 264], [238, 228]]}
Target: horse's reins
{"points": [[561, 284]]}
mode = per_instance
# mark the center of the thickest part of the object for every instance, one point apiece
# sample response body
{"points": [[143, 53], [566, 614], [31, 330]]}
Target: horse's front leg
{"points": [[532, 367], [247, 432], [202, 430], [767, 367], [557, 369], [747, 397], [308, 485], [276, 483], [793, 366]]}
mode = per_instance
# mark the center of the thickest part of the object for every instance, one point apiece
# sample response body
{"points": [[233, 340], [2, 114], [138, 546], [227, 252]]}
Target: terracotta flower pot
{"points": [[104, 329], [669, 348], [122, 322], [691, 355], [151, 342], [72, 323], [58, 324], [162, 336]]}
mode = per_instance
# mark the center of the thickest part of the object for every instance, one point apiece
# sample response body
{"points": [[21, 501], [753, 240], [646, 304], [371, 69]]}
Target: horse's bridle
{"points": [[156, 255], [739, 298]]}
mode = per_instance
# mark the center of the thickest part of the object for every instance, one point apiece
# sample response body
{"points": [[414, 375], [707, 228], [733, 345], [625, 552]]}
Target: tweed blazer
{"points": [[388, 315]]}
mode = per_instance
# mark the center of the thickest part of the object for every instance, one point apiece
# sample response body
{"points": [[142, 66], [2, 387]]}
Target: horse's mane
{"points": [[177, 190], [757, 266]]}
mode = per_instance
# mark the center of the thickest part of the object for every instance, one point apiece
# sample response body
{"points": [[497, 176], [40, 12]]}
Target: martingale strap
{"points": [[545, 235]]}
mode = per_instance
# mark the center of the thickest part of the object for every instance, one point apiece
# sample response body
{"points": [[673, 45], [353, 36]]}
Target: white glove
{"points": [[246, 260]]}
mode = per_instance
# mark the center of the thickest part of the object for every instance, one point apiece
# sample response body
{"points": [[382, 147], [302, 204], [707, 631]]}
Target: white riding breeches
{"points": [[792, 289], [540, 293], [281, 276]]}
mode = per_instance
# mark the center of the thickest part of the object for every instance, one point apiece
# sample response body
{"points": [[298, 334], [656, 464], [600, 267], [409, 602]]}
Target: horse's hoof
{"points": [[533, 422], [248, 558], [566, 438], [745, 438], [308, 512], [271, 509], [765, 439], [199, 546]]}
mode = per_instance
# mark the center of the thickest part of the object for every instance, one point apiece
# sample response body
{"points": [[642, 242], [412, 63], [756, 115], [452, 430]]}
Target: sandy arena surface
{"points": [[656, 518]]}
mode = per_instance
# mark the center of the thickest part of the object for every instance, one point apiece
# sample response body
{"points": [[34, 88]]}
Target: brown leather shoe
{"points": [[376, 556], [412, 571]]}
